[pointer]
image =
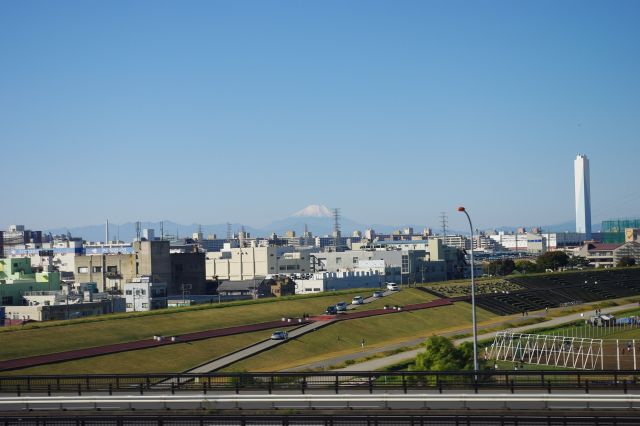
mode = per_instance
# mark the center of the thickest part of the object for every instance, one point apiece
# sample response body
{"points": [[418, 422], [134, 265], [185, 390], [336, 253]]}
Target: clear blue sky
{"points": [[212, 111]]}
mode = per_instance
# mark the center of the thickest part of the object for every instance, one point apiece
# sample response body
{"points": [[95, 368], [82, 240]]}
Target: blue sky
{"points": [[211, 111]]}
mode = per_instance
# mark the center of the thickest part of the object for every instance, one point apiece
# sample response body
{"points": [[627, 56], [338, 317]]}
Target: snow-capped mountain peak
{"points": [[313, 210]]}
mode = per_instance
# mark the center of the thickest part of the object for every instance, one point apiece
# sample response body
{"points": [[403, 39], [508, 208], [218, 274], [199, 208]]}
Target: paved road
{"points": [[318, 322], [257, 348], [376, 364]]}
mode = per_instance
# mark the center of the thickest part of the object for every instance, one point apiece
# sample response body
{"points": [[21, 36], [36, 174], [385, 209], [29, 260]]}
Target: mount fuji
{"points": [[313, 210], [318, 218]]}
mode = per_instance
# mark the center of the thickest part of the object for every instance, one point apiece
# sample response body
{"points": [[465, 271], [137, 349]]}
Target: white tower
{"points": [[583, 195]]}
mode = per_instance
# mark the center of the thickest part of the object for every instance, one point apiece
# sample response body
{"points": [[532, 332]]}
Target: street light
{"points": [[473, 297]]}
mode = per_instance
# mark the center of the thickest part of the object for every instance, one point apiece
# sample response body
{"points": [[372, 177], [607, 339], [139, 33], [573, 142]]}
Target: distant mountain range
{"points": [[317, 218]]}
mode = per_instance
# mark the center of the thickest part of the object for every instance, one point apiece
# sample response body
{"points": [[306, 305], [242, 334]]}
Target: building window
{"points": [[355, 261], [129, 305], [97, 269], [145, 305], [128, 293], [338, 261], [112, 269], [83, 270]]}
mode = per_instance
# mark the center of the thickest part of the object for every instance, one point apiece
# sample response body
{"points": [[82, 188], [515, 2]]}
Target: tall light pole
{"points": [[473, 297]]}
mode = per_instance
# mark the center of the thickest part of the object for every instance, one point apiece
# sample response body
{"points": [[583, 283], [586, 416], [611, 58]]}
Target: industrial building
{"points": [[111, 269], [248, 263]]}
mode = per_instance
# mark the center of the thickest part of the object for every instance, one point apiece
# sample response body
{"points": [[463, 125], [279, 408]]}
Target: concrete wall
{"points": [[57, 312]]}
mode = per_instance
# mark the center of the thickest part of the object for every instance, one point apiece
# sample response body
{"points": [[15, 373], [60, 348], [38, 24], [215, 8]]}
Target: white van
{"points": [[393, 287]]}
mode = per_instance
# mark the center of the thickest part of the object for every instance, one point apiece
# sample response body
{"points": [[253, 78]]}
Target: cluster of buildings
{"points": [[43, 277]]}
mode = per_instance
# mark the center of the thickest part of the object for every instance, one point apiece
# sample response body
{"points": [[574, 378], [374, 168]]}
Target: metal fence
{"points": [[338, 382]]}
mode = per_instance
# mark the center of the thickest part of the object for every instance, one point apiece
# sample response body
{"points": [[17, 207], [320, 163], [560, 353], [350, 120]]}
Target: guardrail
{"points": [[335, 382], [429, 419], [386, 401]]}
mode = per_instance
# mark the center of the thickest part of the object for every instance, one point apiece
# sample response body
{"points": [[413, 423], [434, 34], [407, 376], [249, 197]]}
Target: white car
{"points": [[358, 300], [280, 335], [393, 287]]}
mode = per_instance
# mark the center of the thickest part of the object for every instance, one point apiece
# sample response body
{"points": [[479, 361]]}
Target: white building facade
{"points": [[583, 195], [143, 294]]}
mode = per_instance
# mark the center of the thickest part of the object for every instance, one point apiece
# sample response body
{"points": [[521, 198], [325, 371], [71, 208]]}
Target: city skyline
{"points": [[248, 112]]}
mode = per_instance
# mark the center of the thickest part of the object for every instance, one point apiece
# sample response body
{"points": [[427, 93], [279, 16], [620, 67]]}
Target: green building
{"points": [[17, 277], [612, 231]]}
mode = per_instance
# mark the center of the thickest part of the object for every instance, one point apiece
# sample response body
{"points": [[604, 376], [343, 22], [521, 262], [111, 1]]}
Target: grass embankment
{"points": [[345, 337], [166, 359], [175, 358], [62, 337]]}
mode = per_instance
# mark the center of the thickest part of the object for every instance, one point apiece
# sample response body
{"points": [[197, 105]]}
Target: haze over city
{"points": [[249, 111]]}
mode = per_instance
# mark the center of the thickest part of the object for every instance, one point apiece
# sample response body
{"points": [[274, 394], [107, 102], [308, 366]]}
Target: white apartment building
{"points": [[143, 294]]}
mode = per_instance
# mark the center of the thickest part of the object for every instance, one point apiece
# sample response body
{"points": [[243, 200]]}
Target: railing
{"points": [[334, 382], [428, 419]]}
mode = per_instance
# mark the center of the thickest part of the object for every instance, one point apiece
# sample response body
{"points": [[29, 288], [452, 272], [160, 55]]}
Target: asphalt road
{"points": [[269, 344]]}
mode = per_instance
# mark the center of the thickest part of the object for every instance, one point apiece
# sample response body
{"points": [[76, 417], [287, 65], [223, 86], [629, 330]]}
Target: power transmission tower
{"points": [[443, 223], [336, 227]]}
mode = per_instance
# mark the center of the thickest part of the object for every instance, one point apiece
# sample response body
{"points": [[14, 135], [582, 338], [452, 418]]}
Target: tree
{"points": [[552, 260], [440, 354], [626, 261], [578, 261], [526, 266], [499, 267]]}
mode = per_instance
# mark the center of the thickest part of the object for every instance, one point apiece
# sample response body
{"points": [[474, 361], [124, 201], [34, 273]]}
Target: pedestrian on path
{"points": [[362, 343]]}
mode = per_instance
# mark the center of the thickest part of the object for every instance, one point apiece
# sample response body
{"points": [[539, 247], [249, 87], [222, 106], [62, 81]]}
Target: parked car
{"points": [[280, 335], [393, 286], [331, 310], [378, 293], [358, 300], [341, 306]]}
